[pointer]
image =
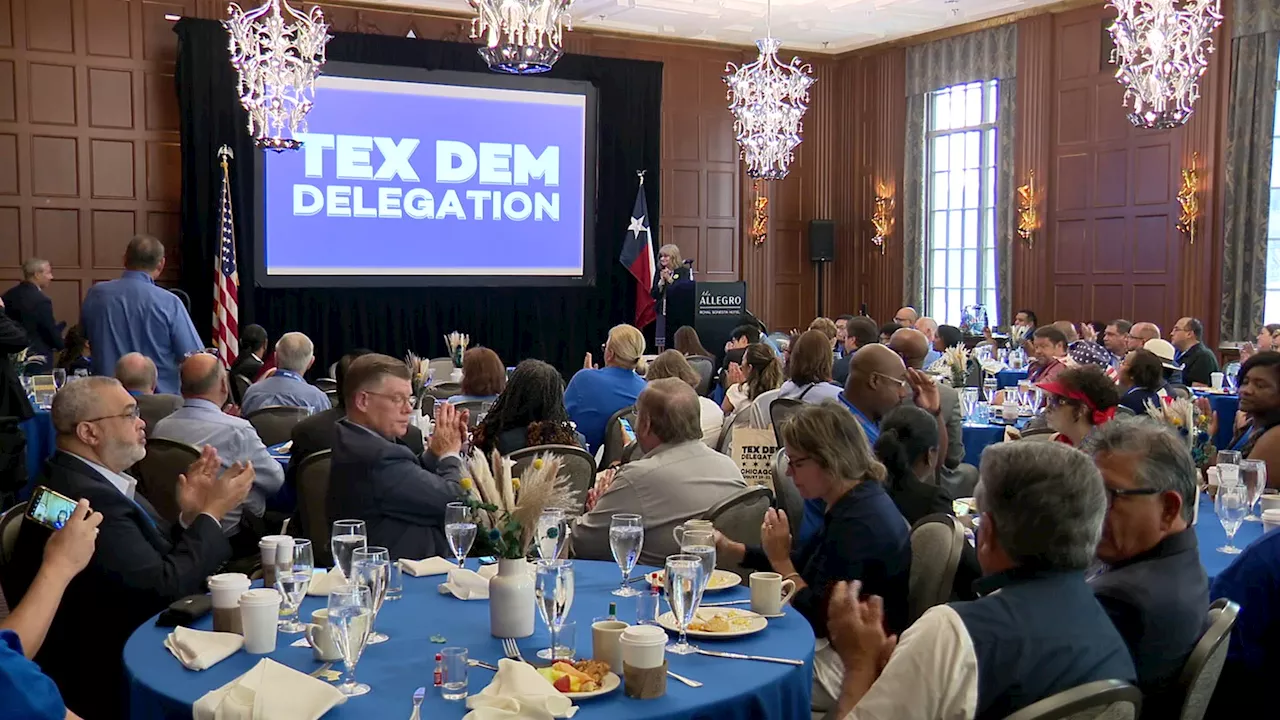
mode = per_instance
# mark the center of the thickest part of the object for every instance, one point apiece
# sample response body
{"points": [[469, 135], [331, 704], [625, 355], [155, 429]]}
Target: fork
{"points": [[512, 650]]}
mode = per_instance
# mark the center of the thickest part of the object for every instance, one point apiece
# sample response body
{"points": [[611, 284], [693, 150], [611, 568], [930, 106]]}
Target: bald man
{"points": [[137, 374], [200, 421], [906, 316], [1068, 330], [1140, 333], [911, 346], [929, 327]]}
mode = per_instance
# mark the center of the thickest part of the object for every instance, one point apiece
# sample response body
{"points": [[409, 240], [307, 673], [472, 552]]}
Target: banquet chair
{"points": [[157, 473], [239, 384], [1098, 700], [705, 369], [327, 384], [1204, 665], [786, 496], [780, 410], [10, 524], [274, 423], [444, 390], [427, 405], [578, 466], [615, 440], [739, 517], [334, 399], [313, 487], [477, 408], [936, 543], [440, 368]]}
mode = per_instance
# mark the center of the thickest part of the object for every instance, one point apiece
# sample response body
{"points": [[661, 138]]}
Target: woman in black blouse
{"points": [[908, 447]]}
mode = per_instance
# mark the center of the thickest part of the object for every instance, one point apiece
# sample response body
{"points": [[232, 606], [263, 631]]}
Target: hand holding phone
{"points": [[72, 546]]}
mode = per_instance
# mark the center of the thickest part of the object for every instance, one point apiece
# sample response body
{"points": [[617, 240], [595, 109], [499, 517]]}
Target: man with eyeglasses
{"points": [[376, 478], [142, 563], [906, 317], [1153, 586]]}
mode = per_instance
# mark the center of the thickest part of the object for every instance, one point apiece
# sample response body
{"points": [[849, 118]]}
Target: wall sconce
{"points": [[760, 218], [1028, 218], [1188, 198], [882, 217]]}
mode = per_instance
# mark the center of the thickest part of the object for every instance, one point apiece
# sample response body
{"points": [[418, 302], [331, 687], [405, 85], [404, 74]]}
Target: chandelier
{"points": [[277, 53], [768, 100], [1162, 48], [521, 37]]}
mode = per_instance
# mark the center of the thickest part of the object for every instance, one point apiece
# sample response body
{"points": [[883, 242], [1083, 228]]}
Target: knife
{"points": [[726, 602], [740, 656]]}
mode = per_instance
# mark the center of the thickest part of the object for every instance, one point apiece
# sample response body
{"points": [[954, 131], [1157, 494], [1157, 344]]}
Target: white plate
{"points": [[608, 684], [720, 580], [750, 624]]}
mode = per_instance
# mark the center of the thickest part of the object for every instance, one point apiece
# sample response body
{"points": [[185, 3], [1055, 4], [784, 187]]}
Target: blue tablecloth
{"points": [[1225, 406], [40, 446], [1211, 536], [976, 439], [160, 687], [1009, 378]]}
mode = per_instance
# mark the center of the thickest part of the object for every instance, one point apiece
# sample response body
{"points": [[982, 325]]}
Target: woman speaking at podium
{"points": [[671, 271]]}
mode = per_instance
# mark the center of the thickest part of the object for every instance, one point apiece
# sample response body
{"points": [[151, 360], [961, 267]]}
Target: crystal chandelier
{"points": [[277, 53], [1162, 48], [521, 37], [768, 100]]}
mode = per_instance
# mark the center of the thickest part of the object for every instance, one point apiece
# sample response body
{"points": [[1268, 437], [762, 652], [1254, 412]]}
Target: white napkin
{"points": [[287, 447], [323, 582], [269, 691], [200, 649], [518, 691], [466, 585], [431, 566]]}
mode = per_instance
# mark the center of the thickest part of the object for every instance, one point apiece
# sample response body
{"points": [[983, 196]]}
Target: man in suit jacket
{"points": [[27, 304], [253, 346], [678, 478], [1154, 587], [141, 564], [376, 478], [137, 374], [860, 331], [13, 399]]}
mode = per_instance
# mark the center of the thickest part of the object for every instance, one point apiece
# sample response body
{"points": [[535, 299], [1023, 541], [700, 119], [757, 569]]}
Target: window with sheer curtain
{"points": [[961, 141], [1271, 304]]}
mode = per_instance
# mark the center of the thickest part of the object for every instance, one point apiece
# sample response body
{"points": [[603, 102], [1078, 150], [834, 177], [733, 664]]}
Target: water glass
{"points": [[989, 387], [566, 643], [293, 578], [459, 529], [1253, 473], [626, 538], [395, 582], [553, 592], [344, 539], [702, 544], [350, 618], [970, 402], [647, 603], [1230, 504], [370, 567], [682, 578], [453, 675], [549, 533], [59, 377]]}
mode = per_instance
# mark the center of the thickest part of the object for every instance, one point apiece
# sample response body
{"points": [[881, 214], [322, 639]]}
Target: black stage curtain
{"points": [[554, 324]]}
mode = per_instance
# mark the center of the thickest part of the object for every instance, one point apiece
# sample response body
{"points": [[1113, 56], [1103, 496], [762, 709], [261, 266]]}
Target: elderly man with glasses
{"points": [[1153, 585], [376, 478]]}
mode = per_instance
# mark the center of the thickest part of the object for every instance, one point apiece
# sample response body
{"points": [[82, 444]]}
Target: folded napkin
{"points": [[199, 649], [431, 566], [466, 585], [323, 582], [269, 691], [286, 447], [518, 691]]}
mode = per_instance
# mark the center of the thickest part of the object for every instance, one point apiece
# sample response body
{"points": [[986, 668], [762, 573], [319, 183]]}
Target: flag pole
{"points": [[226, 281]]}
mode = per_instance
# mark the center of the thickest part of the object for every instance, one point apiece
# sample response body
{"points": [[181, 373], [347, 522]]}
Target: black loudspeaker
{"points": [[822, 240]]}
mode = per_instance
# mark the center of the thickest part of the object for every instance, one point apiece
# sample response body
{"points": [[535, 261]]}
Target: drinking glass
{"points": [[1253, 473], [395, 582], [989, 387], [453, 680], [370, 567], [626, 538], [350, 618], [293, 578], [970, 402], [459, 529], [701, 543], [547, 543], [1230, 504], [682, 578], [59, 377], [344, 539], [553, 591], [566, 642]]}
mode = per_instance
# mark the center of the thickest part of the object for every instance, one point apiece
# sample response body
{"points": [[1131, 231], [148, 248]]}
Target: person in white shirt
{"points": [[672, 364], [809, 370]]}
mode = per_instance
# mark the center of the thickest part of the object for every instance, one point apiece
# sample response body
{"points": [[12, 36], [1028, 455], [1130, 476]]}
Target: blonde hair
{"points": [[671, 364], [830, 436], [673, 252], [627, 344], [824, 326]]}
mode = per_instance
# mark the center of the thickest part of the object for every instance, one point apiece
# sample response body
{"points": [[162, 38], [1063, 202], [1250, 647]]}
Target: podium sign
{"points": [[719, 307]]}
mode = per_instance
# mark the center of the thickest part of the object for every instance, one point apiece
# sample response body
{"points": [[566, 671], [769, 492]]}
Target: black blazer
{"points": [[140, 566], [400, 496], [13, 399], [33, 310], [679, 275], [247, 365], [316, 433]]}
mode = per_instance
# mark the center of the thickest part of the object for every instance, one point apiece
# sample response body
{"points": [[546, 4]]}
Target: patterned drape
{"points": [[984, 55]]}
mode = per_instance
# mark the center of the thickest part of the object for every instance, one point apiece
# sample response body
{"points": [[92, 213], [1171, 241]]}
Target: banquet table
{"points": [[1009, 378], [160, 687], [1225, 405], [40, 446], [1211, 536]]}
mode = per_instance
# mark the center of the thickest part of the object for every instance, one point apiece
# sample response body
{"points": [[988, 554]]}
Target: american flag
{"points": [[226, 305]]}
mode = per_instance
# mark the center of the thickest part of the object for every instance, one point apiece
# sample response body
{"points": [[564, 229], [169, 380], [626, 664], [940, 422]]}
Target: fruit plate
{"points": [[720, 580], [741, 622], [608, 684]]}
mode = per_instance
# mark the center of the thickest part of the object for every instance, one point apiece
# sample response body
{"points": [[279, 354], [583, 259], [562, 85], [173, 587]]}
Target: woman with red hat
{"points": [[1079, 399]]}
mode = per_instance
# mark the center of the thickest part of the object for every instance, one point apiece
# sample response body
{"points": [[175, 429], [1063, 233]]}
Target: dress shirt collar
{"points": [[1017, 576], [1171, 545], [125, 484], [201, 404], [139, 276], [352, 423]]}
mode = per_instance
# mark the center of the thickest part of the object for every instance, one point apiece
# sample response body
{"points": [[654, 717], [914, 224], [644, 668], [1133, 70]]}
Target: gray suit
{"points": [[669, 485], [154, 408]]}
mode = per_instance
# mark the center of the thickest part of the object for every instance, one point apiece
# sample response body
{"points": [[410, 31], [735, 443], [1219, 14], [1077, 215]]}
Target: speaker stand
{"points": [[822, 273]]}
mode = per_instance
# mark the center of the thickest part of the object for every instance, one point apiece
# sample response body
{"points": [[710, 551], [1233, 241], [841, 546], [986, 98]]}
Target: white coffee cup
{"points": [[1215, 380], [1270, 501], [227, 589], [271, 547], [320, 636], [260, 613], [769, 592], [1009, 411], [678, 531], [1270, 520], [643, 646], [606, 639]]}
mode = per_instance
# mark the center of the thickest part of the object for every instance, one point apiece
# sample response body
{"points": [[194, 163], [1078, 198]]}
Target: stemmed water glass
{"points": [[371, 567], [346, 537], [1253, 473], [553, 591], [293, 578], [547, 543], [1230, 504], [989, 387], [701, 544], [683, 578], [626, 538], [459, 529], [351, 618]]}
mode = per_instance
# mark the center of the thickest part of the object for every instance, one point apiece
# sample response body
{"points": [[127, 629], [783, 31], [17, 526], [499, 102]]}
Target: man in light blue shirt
{"points": [[929, 327], [132, 314], [294, 355], [200, 421]]}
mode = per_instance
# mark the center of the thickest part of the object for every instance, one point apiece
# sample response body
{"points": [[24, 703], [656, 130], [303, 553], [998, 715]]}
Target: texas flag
{"points": [[637, 256]]}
